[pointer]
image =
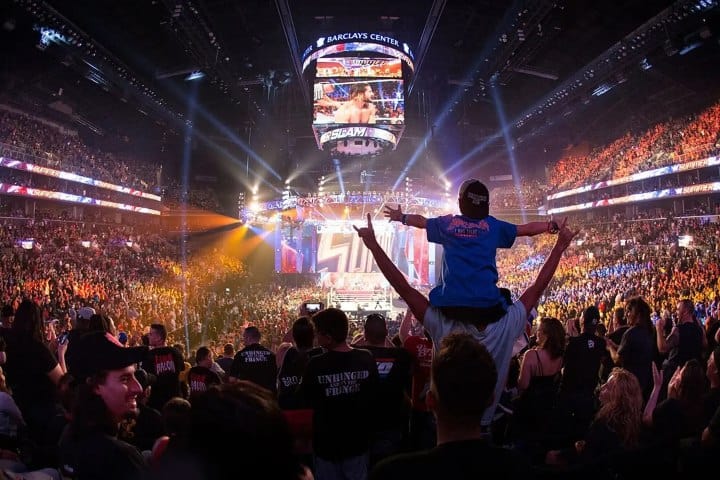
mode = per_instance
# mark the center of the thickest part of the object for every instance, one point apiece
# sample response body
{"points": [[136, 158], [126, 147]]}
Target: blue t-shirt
{"points": [[469, 275]]}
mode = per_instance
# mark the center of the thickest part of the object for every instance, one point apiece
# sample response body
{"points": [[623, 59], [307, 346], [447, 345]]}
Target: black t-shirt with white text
{"points": [[290, 374], [200, 379], [165, 363], [341, 386], [256, 364]]}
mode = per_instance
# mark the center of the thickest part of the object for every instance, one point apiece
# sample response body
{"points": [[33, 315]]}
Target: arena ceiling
{"points": [[526, 50]]}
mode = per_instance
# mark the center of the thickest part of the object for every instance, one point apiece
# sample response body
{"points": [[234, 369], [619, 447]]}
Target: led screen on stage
{"points": [[338, 249]]}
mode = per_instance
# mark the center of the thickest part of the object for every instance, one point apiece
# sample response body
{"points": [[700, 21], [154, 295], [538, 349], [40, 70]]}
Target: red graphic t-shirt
{"points": [[420, 349]]}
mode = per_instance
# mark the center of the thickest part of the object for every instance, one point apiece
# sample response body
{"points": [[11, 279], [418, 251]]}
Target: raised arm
{"points": [[536, 228], [665, 344], [415, 300], [653, 399], [396, 215], [532, 294], [405, 326]]}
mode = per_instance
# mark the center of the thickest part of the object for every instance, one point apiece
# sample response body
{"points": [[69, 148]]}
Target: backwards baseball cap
{"points": [[86, 313], [591, 317], [474, 199], [96, 352]]}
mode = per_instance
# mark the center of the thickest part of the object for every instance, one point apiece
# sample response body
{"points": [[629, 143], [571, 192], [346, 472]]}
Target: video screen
{"points": [[344, 67], [336, 250], [339, 101], [341, 97]]}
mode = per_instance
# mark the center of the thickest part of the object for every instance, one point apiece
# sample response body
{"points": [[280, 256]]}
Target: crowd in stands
{"points": [[202, 198], [619, 374], [532, 193], [673, 142], [73, 267], [33, 141], [48, 146]]}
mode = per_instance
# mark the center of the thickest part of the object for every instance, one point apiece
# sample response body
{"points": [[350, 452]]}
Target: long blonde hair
{"points": [[3, 383], [622, 411]]}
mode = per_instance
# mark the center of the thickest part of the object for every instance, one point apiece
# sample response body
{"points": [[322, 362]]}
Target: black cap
{"points": [[591, 317], [96, 352], [474, 199]]}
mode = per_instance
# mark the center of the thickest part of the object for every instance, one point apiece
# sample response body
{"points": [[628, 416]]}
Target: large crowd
{"points": [[527, 193], [137, 279], [47, 144], [669, 143], [62, 149], [118, 340]]}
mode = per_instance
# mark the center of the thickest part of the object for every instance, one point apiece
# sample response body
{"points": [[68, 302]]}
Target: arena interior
{"points": [[202, 167]]}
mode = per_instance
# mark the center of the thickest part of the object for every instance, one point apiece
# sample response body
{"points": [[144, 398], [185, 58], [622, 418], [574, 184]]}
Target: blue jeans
{"points": [[351, 468]]}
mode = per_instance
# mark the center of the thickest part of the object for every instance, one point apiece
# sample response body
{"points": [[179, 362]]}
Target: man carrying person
{"points": [[498, 337]]}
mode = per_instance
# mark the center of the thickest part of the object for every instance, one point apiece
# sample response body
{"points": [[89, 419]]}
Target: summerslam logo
{"points": [[358, 132]]}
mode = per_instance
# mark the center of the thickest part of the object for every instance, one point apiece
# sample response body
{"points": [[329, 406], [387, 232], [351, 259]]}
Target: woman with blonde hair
{"points": [[616, 427]]}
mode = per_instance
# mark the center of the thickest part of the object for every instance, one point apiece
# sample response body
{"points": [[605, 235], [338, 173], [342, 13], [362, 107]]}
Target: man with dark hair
{"points": [[359, 108], [391, 413], [292, 360], [418, 344], [226, 360], [686, 341], [165, 363], [107, 392], [340, 382], [254, 363], [201, 377], [463, 379], [583, 358], [618, 326], [467, 288], [498, 337]]}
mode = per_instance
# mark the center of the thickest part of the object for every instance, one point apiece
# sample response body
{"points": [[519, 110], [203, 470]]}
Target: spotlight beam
{"points": [[439, 120], [187, 154], [338, 171], [500, 110]]}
